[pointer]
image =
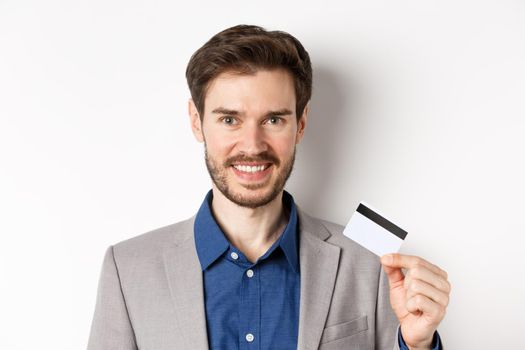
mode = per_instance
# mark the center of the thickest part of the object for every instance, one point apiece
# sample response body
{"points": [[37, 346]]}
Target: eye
{"points": [[228, 120], [275, 120]]}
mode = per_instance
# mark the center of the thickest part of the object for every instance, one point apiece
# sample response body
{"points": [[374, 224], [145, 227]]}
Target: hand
{"points": [[419, 298]]}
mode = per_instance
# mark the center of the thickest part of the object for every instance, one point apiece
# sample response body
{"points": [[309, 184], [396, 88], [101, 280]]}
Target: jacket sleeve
{"points": [[387, 324], [111, 327]]}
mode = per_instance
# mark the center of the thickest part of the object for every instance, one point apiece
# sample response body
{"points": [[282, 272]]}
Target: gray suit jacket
{"points": [[150, 293]]}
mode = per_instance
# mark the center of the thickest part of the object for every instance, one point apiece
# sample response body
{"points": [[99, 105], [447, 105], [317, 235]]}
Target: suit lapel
{"points": [[184, 275], [319, 262]]}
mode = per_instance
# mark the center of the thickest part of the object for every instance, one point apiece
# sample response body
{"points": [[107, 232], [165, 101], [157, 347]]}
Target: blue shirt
{"points": [[252, 305], [249, 305]]}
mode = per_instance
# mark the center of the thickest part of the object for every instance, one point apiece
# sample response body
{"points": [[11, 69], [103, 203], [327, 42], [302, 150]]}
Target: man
{"points": [[250, 270]]}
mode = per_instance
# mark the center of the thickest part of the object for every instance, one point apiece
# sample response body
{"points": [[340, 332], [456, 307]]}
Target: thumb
{"points": [[394, 274]]}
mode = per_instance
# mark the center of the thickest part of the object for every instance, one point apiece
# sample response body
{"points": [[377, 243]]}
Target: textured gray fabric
{"points": [[150, 294]]}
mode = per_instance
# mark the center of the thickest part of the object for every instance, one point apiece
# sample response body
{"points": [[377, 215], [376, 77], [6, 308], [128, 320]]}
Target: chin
{"points": [[252, 198]]}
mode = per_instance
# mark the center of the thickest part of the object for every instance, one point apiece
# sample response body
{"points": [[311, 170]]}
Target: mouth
{"points": [[252, 171], [251, 168]]}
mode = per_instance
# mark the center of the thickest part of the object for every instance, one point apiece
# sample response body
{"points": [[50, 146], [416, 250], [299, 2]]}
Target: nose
{"points": [[252, 139]]}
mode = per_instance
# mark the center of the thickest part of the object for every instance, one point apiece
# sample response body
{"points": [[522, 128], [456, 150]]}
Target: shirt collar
{"points": [[211, 242]]}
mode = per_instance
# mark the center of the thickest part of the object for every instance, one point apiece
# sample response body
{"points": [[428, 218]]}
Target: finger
{"points": [[420, 287], [395, 276], [421, 304], [410, 261], [428, 276]]}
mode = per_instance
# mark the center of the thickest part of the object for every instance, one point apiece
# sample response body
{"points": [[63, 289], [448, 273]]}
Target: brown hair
{"points": [[246, 49]]}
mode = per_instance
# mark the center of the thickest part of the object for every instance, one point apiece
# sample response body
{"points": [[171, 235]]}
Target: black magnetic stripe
{"points": [[381, 221]]}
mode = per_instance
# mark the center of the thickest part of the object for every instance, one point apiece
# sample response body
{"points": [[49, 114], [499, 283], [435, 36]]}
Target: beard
{"points": [[219, 176]]}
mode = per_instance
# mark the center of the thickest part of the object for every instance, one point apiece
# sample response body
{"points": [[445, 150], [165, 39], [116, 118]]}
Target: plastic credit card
{"points": [[374, 232]]}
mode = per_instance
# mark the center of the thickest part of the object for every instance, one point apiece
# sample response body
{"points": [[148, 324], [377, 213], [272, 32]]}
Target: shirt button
{"points": [[234, 256], [249, 273], [249, 337]]}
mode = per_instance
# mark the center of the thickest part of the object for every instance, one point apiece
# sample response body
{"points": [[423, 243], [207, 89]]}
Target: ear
{"points": [[301, 124], [195, 121]]}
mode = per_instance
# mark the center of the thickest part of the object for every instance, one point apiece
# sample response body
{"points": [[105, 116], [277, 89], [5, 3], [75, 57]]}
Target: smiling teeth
{"points": [[249, 169]]}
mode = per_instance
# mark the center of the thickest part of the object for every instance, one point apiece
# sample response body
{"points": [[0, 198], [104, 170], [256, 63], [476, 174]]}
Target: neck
{"points": [[251, 230]]}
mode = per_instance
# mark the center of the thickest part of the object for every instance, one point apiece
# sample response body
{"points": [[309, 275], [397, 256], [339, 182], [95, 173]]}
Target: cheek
{"points": [[218, 145], [284, 146]]}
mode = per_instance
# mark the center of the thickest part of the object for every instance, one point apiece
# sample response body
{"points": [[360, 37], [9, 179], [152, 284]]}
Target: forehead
{"points": [[260, 91]]}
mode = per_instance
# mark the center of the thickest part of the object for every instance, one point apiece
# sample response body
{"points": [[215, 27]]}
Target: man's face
{"points": [[249, 130]]}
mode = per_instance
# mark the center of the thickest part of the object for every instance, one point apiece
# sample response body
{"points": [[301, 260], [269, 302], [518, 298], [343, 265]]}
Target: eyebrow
{"points": [[279, 112]]}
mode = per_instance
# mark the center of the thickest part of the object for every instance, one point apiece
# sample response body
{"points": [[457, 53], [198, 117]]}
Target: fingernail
{"points": [[387, 259]]}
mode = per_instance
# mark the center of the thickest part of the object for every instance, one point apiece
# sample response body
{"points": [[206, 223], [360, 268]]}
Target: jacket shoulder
{"points": [[349, 248], [154, 241]]}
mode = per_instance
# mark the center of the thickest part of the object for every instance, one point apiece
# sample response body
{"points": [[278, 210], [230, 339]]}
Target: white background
{"points": [[418, 109]]}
